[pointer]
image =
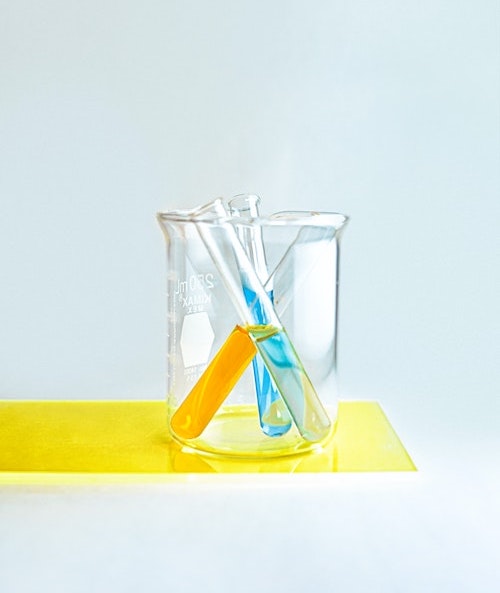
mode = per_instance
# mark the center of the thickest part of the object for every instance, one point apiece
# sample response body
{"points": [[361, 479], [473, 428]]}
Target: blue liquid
{"points": [[273, 414], [303, 403]]}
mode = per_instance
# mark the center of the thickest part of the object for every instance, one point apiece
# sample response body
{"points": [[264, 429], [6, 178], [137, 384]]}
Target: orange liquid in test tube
{"points": [[214, 385]]}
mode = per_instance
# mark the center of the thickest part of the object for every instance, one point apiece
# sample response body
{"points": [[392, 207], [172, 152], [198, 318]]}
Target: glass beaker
{"points": [[224, 310]]}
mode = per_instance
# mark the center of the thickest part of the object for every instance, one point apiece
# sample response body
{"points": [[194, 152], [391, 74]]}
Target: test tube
{"points": [[212, 388], [273, 414], [270, 338]]}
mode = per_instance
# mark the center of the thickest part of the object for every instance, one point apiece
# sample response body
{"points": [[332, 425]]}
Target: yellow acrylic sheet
{"points": [[94, 441]]}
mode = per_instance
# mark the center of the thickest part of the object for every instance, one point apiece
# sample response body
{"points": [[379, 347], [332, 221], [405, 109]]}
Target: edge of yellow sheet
{"points": [[93, 442]]}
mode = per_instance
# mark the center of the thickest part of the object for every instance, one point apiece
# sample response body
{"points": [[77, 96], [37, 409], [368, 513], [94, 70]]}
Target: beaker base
{"points": [[235, 432]]}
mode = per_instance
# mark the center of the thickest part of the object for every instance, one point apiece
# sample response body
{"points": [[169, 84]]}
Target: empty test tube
{"points": [[273, 415]]}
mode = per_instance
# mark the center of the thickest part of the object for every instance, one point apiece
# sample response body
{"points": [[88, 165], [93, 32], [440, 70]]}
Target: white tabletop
{"points": [[431, 530]]}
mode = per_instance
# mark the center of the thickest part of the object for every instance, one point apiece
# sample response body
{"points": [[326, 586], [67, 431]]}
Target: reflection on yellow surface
{"points": [[51, 441], [364, 441]]}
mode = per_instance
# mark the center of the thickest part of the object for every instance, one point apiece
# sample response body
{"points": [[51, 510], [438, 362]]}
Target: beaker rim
{"points": [[281, 218]]}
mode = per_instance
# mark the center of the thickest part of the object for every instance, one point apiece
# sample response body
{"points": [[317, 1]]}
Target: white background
{"points": [[386, 111]]}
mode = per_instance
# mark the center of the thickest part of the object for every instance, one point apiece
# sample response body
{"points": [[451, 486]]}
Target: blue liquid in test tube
{"points": [[274, 417], [276, 349]]}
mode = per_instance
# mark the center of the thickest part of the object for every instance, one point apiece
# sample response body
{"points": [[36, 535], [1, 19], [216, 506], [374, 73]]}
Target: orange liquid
{"points": [[212, 388]]}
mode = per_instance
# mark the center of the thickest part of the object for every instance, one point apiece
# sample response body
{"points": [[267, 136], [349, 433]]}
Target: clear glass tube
{"points": [[273, 414]]}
